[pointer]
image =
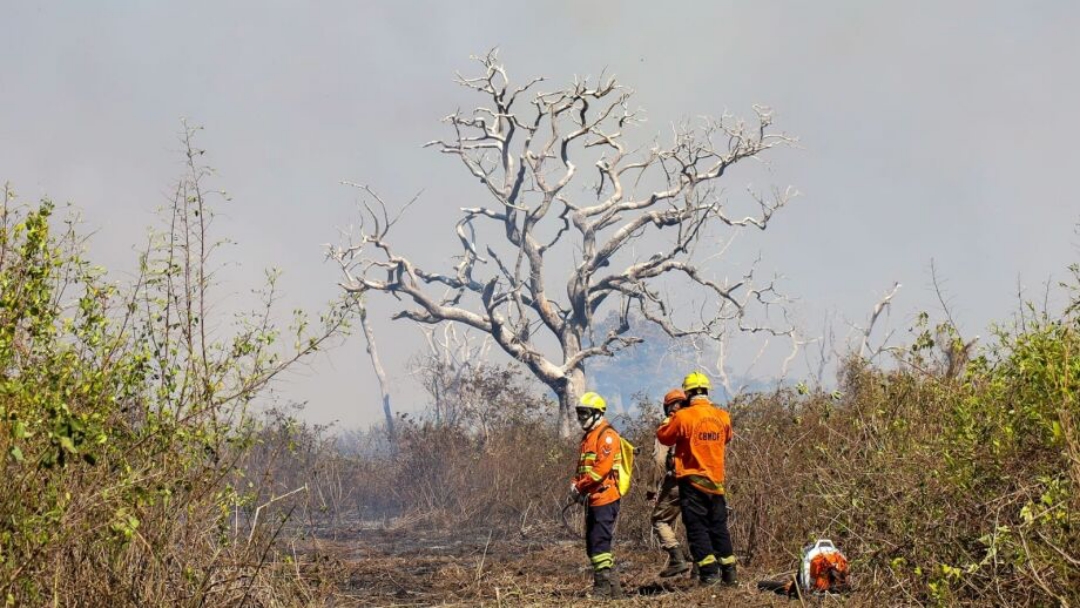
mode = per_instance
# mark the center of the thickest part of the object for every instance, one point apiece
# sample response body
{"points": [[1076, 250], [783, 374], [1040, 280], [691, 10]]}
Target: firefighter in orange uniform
{"points": [[597, 483], [700, 433]]}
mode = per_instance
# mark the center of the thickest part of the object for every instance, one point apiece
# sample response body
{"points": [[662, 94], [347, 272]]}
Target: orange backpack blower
{"points": [[824, 569]]}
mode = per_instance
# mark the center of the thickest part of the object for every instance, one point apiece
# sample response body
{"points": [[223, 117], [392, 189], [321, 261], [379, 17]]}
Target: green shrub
{"points": [[945, 488], [122, 419]]}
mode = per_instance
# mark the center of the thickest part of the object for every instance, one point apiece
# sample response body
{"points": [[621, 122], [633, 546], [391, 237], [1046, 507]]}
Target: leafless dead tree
{"points": [[524, 146], [451, 358], [721, 366], [865, 348], [380, 372], [818, 360], [956, 350]]}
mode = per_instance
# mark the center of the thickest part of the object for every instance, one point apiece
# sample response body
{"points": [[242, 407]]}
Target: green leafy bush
{"points": [[948, 486], [123, 412]]}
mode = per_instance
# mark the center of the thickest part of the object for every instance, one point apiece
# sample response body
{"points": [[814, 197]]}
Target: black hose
{"points": [[565, 523]]}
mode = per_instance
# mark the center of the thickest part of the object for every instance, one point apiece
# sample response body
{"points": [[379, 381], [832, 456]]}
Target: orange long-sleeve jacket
{"points": [[700, 434], [596, 476]]}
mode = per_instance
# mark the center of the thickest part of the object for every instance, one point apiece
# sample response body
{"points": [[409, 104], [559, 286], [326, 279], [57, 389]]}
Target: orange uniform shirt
{"points": [[700, 433], [596, 474]]}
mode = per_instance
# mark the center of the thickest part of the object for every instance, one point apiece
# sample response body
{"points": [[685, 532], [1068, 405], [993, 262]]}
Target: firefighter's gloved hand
{"points": [[576, 496]]}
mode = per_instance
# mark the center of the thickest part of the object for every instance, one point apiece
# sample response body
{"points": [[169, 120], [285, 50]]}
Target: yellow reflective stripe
{"points": [[727, 561], [709, 559], [706, 483], [601, 561], [595, 476]]}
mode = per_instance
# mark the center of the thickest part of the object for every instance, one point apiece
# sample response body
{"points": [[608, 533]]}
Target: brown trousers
{"points": [[666, 512]]}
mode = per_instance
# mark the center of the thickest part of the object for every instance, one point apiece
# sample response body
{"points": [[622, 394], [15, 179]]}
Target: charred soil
{"points": [[383, 568]]}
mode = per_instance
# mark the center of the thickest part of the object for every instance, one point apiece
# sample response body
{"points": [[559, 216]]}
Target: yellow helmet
{"points": [[696, 380], [593, 401]]}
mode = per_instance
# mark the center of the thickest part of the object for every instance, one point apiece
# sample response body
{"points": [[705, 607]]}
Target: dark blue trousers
{"points": [[599, 531], [705, 518]]}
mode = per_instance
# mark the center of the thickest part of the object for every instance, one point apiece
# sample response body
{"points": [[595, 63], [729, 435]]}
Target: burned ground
{"points": [[389, 568]]}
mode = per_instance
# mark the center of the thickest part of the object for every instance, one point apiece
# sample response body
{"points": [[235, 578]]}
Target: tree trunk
{"points": [[384, 387], [571, 389], [389, 414]]}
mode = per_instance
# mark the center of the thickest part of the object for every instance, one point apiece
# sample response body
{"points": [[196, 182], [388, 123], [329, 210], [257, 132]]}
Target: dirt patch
{"points": [[381, 570]]}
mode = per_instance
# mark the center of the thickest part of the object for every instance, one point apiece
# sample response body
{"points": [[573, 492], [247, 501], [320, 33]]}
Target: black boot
{"points": [[605, 584], [727, 576], [709, 574], [676, 564]]}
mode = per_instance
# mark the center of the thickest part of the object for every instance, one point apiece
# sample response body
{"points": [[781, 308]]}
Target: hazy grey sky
{"points": [[929, 130]]}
